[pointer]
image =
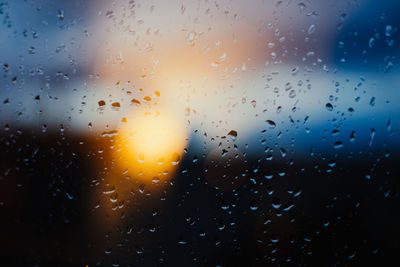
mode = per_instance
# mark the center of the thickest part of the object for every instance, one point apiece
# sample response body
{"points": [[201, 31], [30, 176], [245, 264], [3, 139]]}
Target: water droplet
{"points": [[271, 124], [115, 106], [331, 163], [283, 152], [335, 132], [175, 159], [191, 38], [271, 45], [371, 137], [276, 205], [389, 126], [109, 133], [288, 206], [268, 177], [329, 106], [140, 158], [352, 136], [155, 180], [311, 29], [112, 190], [302, 6], [371, 42], [388, 30], [274, 239], [181, 242], [253, 205], [135, 101], [372, 102], [338, 145], [233, 135], [102, 103], [32, 50], [60, 15], [110, 14]]}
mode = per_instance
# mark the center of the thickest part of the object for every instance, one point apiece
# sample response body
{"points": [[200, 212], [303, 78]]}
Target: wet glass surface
{"points": [[199, 133]]}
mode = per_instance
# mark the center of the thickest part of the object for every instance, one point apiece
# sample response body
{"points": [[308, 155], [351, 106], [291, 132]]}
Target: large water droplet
{"points": [[233, 135], [271, 124]]}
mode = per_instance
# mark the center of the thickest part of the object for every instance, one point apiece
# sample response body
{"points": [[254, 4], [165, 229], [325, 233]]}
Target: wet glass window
{"points": [[199, 133]]}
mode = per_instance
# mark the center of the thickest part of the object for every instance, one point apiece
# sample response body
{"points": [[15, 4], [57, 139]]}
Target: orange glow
{"points": [[180, 68], [150, 146]]}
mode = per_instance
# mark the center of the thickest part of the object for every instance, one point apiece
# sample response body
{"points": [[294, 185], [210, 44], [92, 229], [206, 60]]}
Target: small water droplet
{"points": [[311, 29], [32, 50], [140, 158], [175, 159], [302, 6], [102, 103], [352, 136], [191, 38], [372, 102], [283, 152], [371, 137], [371, 42], [329, 106], [109, 133], [338, 145], [115, 106], [388, 30], [135, 101]]}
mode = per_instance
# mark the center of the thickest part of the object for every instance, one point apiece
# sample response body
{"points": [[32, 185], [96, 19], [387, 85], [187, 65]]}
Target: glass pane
{"points": [[210, 133]]}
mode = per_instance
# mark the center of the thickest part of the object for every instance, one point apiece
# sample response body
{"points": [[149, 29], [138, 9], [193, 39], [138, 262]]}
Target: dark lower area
{"points": [[53, 210]]}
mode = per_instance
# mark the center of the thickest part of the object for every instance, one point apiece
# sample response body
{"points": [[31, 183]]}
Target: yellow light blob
{"points": [[150, 146]]}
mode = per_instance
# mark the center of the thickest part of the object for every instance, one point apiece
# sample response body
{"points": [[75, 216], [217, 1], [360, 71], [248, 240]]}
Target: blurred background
{"points": [[212, 133]]}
